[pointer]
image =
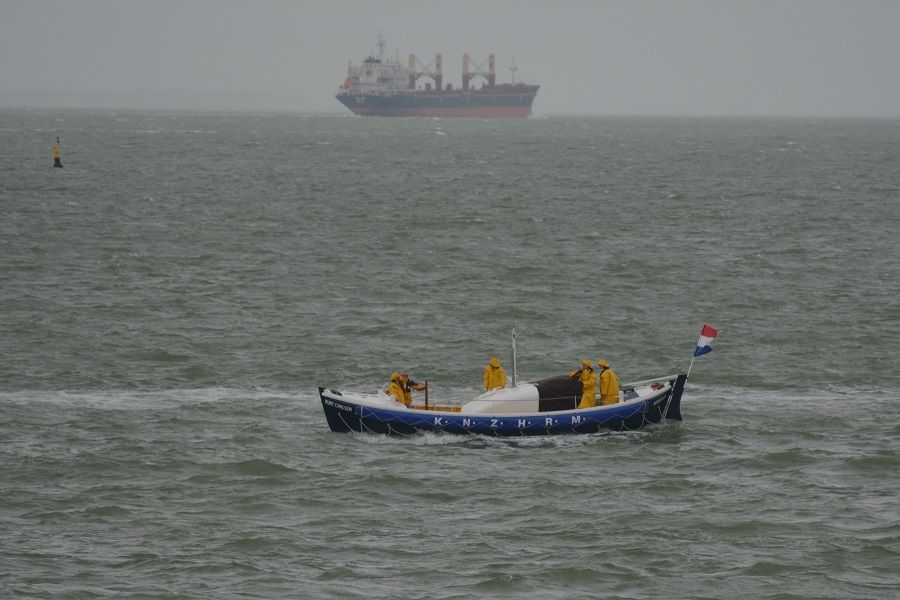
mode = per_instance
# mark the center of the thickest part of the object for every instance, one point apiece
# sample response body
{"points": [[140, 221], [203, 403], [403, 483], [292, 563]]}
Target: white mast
{"points": [[514, 355]]}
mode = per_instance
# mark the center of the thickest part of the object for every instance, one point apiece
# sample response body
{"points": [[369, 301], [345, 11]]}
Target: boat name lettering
{"points": [[548, 421], [338, 405], [493, 422], [576, 419], [438, 421], [467, 422], [521, 423]]}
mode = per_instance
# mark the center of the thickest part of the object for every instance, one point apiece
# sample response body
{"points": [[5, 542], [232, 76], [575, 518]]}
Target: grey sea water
{"points": [[171, 298]]}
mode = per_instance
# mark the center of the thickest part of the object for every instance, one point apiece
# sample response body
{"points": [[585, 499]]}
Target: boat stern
{"points": [[673, 406]]}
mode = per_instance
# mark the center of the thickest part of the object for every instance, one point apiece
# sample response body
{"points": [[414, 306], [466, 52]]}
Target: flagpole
{"points": [[693, 356]]}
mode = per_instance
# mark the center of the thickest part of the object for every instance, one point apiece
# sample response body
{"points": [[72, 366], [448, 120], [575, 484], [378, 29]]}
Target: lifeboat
{"points": [[546, 406], [542, 407]]}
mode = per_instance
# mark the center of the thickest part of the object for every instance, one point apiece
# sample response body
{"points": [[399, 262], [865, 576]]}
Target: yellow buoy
{"points": [[57, 155]]}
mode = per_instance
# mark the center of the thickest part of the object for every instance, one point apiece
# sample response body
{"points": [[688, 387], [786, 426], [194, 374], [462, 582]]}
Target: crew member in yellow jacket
{"points": [[408, 386], [609, 384], [494, 375], [588, 383], [395, 389]]}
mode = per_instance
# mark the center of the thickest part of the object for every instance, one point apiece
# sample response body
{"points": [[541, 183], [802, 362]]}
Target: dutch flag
{"points": [[707, 335]]}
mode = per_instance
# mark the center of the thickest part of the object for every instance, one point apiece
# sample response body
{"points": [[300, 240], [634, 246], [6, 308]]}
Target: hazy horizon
{"points": [[692, 58]]}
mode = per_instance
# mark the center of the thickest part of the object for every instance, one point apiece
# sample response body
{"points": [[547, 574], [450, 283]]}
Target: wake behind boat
{"points": [[542, 407]]}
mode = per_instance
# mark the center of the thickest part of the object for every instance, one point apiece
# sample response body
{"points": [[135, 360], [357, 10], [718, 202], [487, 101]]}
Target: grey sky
{"points": [[690, 57]]}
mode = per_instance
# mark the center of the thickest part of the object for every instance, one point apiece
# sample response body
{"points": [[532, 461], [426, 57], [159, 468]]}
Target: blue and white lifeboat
{"points": [[542, 407]]}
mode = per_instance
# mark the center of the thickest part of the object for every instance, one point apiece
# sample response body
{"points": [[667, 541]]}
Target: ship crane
{"points": [[434, 70], [490, 73]]}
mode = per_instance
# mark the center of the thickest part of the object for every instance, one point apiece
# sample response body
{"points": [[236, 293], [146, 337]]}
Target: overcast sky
{"points": [[628, 57]]}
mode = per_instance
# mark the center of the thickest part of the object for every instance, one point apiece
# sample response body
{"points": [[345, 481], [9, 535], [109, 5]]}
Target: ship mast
{"points": [[380, 46], [514, 68]]}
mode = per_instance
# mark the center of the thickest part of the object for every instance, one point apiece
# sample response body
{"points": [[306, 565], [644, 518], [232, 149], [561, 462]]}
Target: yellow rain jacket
{"points": [[588, 383], [56, 151], [494, 375], [395, 389], [408, 386], [609, 387]]}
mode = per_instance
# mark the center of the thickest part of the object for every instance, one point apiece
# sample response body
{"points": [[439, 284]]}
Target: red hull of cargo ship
{"points": [[446, 111]]}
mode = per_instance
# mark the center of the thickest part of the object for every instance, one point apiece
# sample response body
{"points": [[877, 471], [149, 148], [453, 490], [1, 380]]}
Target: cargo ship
{"points": [[384, 87]]}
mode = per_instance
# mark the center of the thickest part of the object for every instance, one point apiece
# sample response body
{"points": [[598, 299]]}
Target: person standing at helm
{"points": [[588, 383], [395, 388], [408, 386], [609, 384], [494, 375]]}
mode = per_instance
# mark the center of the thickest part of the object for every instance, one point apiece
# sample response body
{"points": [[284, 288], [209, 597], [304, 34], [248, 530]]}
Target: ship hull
{"points": [[439, 105], [444, 112]]}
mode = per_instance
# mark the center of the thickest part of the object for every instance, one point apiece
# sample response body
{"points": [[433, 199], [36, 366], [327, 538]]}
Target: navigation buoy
{"points": [[57, 155]]}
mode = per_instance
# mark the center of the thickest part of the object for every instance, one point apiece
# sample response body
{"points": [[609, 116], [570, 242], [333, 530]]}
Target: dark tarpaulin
{"points": [[558, 393]]}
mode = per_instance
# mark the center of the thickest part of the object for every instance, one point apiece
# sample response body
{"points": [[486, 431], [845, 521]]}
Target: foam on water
{"points": [[128, 399]]}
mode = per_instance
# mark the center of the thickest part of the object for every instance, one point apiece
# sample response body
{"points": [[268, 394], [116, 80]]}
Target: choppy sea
{"points": [[172, 297]]}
